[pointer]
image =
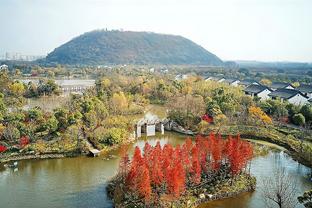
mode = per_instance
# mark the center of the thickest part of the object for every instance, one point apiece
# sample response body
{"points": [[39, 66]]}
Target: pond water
{"points": [[48, 103], [80, 182]]}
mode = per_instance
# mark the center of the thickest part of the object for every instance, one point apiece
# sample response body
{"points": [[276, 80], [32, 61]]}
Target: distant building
{"points": [[3, 67], [255, 90], [21, 57], [281, 85], [232, 82], [292, 96], [305, 89], [180, 77]]}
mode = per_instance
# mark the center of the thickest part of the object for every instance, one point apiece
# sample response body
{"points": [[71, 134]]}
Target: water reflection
{"points": [[263, 167]]}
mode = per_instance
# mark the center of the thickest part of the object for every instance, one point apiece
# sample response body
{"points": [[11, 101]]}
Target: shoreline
{"points": [[35, 157], [290, 151], [19, 157]]}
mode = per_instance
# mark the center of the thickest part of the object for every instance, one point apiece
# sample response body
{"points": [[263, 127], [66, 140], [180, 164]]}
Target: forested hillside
{"points": [[118, 47]]}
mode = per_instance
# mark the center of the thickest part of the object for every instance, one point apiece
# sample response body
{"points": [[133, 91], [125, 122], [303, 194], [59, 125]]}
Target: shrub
{"points": [[298, 119], [115, 136]]}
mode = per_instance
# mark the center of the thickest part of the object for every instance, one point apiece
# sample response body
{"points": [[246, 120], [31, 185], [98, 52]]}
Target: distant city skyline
{"points": [[19, 56], [260, 30]]}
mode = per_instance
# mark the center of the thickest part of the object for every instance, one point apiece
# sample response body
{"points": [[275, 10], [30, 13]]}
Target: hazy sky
{"points": [[267, 30]]}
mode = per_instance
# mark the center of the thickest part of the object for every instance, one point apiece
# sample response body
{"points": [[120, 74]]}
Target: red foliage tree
{"points": [[136, 161], [157, 175], [143, 183], [216, 151], [207, 118], [24, 140], [3, 148], [196, 169]]}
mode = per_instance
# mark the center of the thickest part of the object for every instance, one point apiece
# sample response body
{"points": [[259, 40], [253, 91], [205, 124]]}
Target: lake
{"points": [[80, 182]]}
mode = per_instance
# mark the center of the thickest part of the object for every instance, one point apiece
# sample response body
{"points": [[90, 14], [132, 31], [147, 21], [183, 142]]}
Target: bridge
{"points": [[74, 88], [149, 125], [67, 85]]}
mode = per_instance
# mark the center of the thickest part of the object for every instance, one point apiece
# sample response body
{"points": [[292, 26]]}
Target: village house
{"points": [[305, 89], [255, 90], [281, 85], [217, 79], [292, 96], [232, 82], [248, 82]]}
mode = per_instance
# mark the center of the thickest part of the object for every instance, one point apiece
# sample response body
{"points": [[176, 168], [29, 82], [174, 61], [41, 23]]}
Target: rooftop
{"points": [[280, 85], [285, 93], [214, 78], [229, 80], [253, 88], [305, 88], [248, 82]]}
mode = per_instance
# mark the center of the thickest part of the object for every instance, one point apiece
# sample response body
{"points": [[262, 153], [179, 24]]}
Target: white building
{"points": [[255, 90], [292, 96]]}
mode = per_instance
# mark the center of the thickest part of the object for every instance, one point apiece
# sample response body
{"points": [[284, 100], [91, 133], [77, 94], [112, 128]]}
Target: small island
{"points": [[210, 168]]}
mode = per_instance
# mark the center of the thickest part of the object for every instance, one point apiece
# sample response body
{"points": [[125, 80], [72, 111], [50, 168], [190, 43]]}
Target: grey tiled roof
{"points": [[280, 85], [285, 93], [256, 88], [305, 88], [229, 80], [247, 82]]}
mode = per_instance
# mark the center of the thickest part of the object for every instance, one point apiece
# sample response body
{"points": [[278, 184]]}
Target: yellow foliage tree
{"points": [[17, 88], [266, 82], [257, 114], [119, 102]]}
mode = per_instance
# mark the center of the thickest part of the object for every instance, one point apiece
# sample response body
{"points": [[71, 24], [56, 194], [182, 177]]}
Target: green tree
{"points": [[298, 119], [306, 111], [115, 136], [3, 108], [306, 199]]}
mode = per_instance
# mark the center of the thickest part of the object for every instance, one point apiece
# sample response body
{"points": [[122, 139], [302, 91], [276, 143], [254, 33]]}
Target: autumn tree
{"points": [[258, 115], [119, 102]]}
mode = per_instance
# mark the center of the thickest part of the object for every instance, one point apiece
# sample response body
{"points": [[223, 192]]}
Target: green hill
{"points": [[117, 47]]}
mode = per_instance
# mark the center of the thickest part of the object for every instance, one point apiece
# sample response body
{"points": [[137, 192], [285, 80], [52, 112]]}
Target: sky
{"points": [[263, 30]]}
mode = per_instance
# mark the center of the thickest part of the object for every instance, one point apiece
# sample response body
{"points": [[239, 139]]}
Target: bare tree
{"points": [[279, 190]]}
